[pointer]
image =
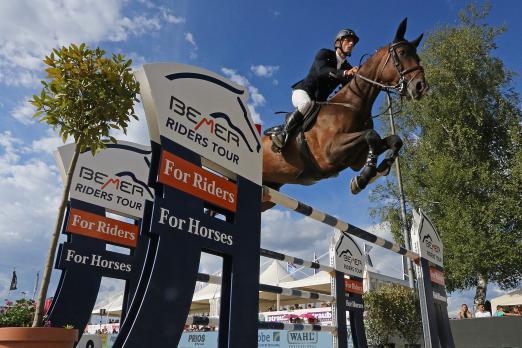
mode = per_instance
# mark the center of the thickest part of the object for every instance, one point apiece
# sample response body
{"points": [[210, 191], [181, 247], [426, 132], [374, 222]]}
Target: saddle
{"points": [[311, 172]]}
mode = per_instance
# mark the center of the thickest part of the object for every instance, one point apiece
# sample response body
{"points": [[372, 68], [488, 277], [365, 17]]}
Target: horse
{"points": [[343, 135]]}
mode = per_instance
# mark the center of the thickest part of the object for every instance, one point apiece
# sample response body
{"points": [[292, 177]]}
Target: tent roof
{"points": [[509, 299]]}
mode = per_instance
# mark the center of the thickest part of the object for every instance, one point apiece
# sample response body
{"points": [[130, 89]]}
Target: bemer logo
{"points": [[348, 258], [105, 181], [428, 241]]}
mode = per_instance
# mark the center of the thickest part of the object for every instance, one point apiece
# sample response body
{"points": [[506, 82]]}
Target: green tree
{"points": [[462, 156], [85, 96]]}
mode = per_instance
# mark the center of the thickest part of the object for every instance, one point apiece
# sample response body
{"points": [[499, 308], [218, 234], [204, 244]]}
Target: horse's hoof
{"points": [[354, 186]]}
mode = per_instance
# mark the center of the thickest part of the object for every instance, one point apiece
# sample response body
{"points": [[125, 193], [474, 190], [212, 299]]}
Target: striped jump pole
{"points": [[206, 278], [304, 209]]}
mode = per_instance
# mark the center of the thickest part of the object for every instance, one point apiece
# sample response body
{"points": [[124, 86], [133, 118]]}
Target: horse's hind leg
{"points": [[375, 148]]}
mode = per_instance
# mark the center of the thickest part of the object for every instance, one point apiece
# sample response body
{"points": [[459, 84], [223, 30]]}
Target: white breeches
{"points": [[301, 101]]}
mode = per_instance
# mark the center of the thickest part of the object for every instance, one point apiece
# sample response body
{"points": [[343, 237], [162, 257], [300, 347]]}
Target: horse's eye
{"points": [[402, 53]]}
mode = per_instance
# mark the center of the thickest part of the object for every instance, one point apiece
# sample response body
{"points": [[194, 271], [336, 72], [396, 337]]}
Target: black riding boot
{"points": [[280, 138]]}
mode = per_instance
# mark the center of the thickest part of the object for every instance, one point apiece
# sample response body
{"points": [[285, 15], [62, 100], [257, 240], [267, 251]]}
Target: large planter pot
{"points": [[37, 337]]}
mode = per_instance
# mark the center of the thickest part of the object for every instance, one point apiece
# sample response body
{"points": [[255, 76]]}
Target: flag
{"points": [[14, 281]]}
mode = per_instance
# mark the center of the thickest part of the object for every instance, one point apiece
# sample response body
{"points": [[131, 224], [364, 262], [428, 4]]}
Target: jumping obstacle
{"points": [[429, 269], [206, 154]]}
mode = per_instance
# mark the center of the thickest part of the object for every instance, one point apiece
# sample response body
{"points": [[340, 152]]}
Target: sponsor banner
{"points": [[354, 303], [439, 297], [116, 178], [425, 239], [322, 314], [101, 227], [187, 177], [169, 219], [353, 286], [203, 112], [293, 339], [199, 339], [437, 276], [108, 263], [347, 255]]}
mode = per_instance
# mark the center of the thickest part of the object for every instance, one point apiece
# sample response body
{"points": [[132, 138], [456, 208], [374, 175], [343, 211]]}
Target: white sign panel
{"points": [[203, 112], [347, 255], [116, 178], [425, 239]]}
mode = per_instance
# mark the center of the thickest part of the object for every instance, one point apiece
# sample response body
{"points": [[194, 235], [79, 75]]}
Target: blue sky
{"points": [[264, 45]]}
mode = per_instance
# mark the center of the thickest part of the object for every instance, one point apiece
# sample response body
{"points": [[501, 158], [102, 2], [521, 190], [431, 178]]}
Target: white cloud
{"points": [[137, 131], [31, 190], [47, 144], [24, 112], [8, 150], [264, 70], [170, 18], [189, 37], [257, 99], [30, 31]]}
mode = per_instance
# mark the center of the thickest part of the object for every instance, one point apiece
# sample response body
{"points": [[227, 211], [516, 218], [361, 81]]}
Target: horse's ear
{"points": [[401, 30], [417, 41]]}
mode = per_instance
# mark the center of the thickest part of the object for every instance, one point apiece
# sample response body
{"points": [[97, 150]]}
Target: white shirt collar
{"points": [[339, 60]]}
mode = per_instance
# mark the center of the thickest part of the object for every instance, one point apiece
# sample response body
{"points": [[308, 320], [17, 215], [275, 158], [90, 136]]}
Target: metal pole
{"points": [[405, 233]]}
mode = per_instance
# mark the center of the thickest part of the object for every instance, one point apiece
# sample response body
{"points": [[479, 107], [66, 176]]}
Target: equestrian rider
{"points": [[319, 83]]}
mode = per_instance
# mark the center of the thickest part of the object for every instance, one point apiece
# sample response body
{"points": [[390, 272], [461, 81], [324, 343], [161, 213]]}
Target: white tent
{"points": [[274, 274], [112, 305], [510, 299]]}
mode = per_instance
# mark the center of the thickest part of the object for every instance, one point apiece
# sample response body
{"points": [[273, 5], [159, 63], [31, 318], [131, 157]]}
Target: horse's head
{"points": [[402, 65]]}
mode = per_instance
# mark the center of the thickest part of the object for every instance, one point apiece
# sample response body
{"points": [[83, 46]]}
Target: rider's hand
{"points": [[351, 72]]}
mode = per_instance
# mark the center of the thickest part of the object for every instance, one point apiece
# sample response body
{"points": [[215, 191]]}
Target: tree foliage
{"points": [[87, 95], [462, 159], [390, 311]]}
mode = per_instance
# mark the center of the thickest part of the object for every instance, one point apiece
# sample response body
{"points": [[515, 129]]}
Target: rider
{"points": [[318, 84]]}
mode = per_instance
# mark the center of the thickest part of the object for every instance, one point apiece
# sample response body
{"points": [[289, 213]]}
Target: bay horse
{"points": [[343, 134]]}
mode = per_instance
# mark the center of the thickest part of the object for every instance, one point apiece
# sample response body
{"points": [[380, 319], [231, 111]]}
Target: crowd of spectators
{"points": [[484, 311]]}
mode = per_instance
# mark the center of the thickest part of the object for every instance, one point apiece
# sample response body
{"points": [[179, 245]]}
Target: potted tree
{"points": [[85, 96]]}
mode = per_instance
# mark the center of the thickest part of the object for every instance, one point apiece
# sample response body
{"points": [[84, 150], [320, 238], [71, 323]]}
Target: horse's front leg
{"points": [[369, 171], [392, 143]]}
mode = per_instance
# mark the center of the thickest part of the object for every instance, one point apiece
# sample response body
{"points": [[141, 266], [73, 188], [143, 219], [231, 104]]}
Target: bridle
{"points": [[401, 87]]}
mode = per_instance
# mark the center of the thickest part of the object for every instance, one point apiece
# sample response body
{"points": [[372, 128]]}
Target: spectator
{"points": [[482, 312], [464, 312], [500, 312], [487, 306], [517, 311]]}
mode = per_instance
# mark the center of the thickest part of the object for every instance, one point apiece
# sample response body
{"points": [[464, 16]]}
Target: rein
{"points": [[399, 88]]}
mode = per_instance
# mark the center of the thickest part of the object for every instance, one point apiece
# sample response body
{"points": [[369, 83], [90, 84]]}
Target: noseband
{"points": [[402, 85]]}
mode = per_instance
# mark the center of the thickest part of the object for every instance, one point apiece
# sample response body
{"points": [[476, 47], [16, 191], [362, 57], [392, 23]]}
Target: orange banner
{"points": [[188, 177], [436, 276], [101, 227], [353, 286]]}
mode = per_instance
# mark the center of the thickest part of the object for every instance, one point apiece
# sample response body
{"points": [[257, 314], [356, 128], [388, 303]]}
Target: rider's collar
{"points": [[340, 60]]}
